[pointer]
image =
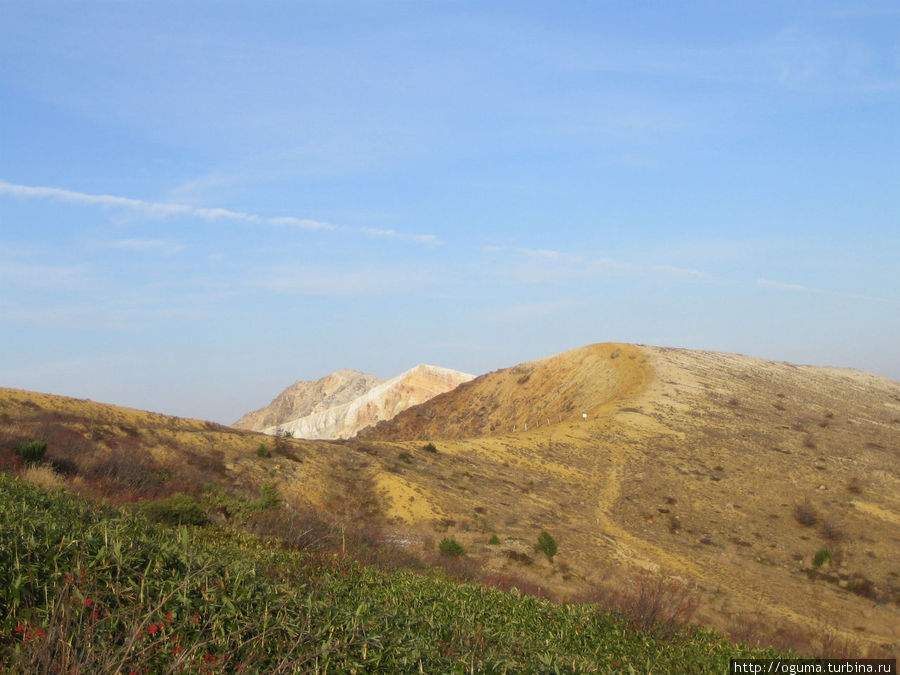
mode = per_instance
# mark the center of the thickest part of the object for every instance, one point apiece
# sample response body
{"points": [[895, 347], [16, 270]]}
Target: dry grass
{"points": [[43, 476], [657, 420]]}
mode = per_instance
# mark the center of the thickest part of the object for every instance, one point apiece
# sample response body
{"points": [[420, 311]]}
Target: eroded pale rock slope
{"points": [[309, 398], [339, 415]]}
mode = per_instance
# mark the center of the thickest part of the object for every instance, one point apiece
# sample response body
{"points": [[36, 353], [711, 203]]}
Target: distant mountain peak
{"points": [[346, 401]]}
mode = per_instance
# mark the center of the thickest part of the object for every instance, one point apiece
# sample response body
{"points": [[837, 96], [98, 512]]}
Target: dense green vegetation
{"points": [[87, 588], [547, 544], [30, 451]]}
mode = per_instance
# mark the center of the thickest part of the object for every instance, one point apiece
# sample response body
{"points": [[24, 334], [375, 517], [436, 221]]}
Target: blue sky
{"points": [[202, 202]]}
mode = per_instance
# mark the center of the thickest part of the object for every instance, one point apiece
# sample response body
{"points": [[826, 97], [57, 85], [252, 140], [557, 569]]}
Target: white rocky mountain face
{"points": [[341, 404], [307, 398]]}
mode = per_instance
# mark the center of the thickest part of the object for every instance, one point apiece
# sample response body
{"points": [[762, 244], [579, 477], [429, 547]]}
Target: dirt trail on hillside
{"points": [[642, 553]]}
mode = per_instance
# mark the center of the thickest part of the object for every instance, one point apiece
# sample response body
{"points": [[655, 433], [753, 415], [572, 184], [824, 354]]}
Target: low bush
{"points": [[429, 447], [494, 540], [451, 547], [178, 509], [822, 557], [31, 452], [547, 544]]}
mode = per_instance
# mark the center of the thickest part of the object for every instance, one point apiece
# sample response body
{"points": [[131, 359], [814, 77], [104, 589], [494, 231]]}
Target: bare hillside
{"points": [[729, 474]]}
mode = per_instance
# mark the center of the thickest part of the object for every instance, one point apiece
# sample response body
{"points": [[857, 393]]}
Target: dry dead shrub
{"points": [[43, 476], [656, 605], [805, 513], [757, 631], [861, 585], [855, 485], [301, 530], [832, 531], [833, 646]]}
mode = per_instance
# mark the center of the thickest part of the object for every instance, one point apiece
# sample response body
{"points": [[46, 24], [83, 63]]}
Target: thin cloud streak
{"points": [[160, 210], [427, 239], [798, 288]]}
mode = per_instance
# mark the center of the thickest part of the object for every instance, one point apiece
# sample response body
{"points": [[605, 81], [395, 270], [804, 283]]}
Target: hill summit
{"points": [[341, 404]]}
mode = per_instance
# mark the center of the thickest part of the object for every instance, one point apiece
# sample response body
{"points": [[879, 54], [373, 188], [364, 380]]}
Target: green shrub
{"points": [[405, 457], [451, 547], [822, 557], [494, 540], [262, 451], [179, 509], [547, 544], [269, 500], [429, 447], [31, 452]]}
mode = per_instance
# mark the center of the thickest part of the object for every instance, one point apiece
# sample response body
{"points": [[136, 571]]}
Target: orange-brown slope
{"points": [[547, 392]]}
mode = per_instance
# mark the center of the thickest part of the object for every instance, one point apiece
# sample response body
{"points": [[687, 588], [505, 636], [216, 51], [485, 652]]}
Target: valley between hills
{"points": [[725, 473]]}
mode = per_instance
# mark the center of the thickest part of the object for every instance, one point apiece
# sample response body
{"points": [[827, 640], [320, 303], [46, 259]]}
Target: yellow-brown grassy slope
{"points": [[689, 465], [692, 465]]}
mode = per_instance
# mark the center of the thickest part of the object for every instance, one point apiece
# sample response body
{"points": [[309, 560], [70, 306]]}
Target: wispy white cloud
{"points": [[545, 253], [302, 223], [787, 287], [428, 239], [798, 288], [677, 271], [159, 210]]}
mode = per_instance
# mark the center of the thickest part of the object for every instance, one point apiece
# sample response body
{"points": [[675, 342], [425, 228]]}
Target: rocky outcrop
{"points": [[309, 398], [384, 400]]}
